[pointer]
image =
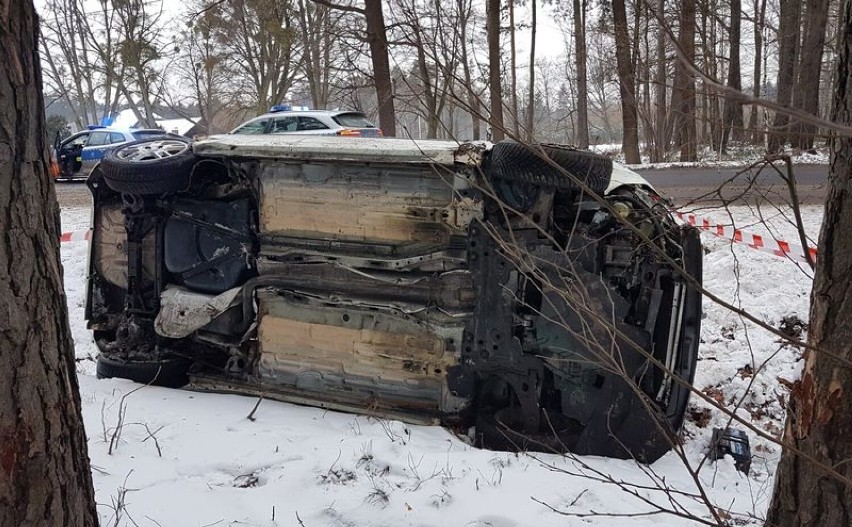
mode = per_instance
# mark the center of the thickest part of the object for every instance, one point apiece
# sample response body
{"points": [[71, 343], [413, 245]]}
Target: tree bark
{"points": [[754, 125], [661, 132], [45, 477], [513, 67], [378, 39], [492, 15], [819, 423], [626, 83], [465, 9], [806, 93], [788, 52], [732, 114], [531, 101], [582, 126], [685, 84]]}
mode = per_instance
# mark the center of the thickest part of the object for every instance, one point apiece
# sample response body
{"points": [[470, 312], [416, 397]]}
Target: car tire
{"points": [[150, 166], [170, 372], [523, 163]]}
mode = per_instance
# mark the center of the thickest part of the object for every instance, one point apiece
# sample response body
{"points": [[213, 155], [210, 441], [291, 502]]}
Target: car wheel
{"points": [[524, 163], [150, 166], [169, 372]]}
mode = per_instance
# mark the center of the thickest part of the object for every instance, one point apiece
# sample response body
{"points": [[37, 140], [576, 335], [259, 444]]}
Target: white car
{"points": [[282, 119]]}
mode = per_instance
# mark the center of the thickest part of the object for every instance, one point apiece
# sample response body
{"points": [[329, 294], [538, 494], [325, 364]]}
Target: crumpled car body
{"points": [[483, 287]]}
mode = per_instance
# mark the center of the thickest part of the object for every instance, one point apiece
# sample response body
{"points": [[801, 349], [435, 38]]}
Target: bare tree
{"points": [[683, 99], [788, 53], [582, 128], [806, 90], [627, 84], [531, 90], [140, 48], [492, 15], [318, 27], [466, 15], [431, 33], [262, 45], [756, 129], [732, 114], [376, 36], [45, 477], [203, 65], [662, 129], [71, 68]]}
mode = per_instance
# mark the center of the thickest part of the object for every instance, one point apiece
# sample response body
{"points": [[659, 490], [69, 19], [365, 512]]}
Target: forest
{"points": [[667, 80]]}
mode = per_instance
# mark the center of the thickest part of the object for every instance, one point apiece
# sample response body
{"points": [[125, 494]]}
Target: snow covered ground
{"points": [[192, 459]]}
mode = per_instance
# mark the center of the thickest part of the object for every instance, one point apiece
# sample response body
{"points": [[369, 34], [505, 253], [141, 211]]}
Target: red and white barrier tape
{"points": [[76, 236], [755, 241]]}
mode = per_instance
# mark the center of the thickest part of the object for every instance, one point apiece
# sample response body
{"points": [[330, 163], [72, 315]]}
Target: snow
{"points": [[127, 119], [196, 459]]}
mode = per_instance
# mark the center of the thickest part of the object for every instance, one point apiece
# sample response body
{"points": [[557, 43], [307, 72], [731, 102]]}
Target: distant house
{"points": [[127, 119]]}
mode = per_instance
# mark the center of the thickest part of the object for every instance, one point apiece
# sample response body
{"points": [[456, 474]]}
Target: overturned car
{"points": [[530, 296]]}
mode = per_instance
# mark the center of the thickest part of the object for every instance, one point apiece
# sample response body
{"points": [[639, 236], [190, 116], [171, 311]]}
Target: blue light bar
{"points": [[280, 108]]}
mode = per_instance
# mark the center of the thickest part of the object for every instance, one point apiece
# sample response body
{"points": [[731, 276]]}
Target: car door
{"points": [[69, 154], [286, 124], [256, 126], [313, 126], [99, 142]]}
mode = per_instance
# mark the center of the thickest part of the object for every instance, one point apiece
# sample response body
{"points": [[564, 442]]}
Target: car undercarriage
{"points": [[528, 297]]}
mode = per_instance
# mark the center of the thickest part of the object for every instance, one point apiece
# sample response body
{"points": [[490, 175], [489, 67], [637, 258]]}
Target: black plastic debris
{"points": [[732, 442]]}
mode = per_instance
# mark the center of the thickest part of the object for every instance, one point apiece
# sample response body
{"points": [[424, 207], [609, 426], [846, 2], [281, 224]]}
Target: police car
{"points": [[77, 155], [286, 119]]}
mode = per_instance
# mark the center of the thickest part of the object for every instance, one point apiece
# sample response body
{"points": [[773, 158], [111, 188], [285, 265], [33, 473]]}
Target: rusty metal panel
{"points": [[356, 355], [362, 203], [361, 352], [110, 247]]}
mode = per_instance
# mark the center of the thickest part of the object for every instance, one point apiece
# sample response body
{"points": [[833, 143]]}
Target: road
{"points": [[701, 183], [681, 184]]}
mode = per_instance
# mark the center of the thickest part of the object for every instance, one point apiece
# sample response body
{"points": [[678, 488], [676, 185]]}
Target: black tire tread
{"points": [[524, 163]]}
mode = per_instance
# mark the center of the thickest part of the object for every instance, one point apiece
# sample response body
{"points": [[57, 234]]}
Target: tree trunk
{"points": [[626, 83], [710, 98], [513, 67], [806, 94], [685, 84], [531, 101], [582, 127], [45, 477], [732, 115], [819, 423], [465, 10], [378, 39], [788, 52], [492, 14], [658, 153], [754, 124]]}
